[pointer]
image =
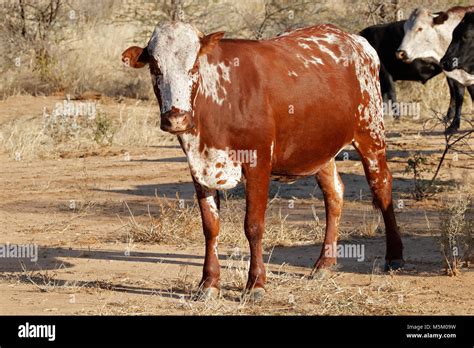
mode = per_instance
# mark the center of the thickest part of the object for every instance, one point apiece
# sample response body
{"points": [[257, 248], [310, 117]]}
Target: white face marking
{"points": [[461, 76], [271, 150], [424, 39], [210, 80], [211, 168], [175, 47]]}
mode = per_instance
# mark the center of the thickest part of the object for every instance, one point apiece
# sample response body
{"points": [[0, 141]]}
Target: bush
{"points": [[456, 233]]}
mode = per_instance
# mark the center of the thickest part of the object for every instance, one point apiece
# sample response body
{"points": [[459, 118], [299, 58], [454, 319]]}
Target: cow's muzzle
{"points": [[449, 64], [402, 55], [176, 121]]}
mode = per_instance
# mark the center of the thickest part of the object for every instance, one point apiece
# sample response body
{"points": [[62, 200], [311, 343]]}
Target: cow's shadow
{"points": [[300, 260], [305, 188]]}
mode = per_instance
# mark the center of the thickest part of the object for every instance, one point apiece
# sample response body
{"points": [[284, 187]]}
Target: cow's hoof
{"points": [[254, 295], [393, 265], [324, 262], [207, 294], [323, 267], [322, 273]]}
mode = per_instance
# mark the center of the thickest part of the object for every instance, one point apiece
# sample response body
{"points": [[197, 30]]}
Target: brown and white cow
{"points": [[427, 36], [295, 101]]}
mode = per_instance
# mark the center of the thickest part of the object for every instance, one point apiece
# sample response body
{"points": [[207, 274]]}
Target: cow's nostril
{"points": [[401, 54]]}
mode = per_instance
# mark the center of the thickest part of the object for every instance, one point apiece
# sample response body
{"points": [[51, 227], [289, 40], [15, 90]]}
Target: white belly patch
{"points": [[211, 167], [461, 76]]}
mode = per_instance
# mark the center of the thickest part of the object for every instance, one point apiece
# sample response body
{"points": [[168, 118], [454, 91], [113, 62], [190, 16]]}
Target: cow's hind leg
{"points": [[378, 175], [333, 190], [209, 204]]}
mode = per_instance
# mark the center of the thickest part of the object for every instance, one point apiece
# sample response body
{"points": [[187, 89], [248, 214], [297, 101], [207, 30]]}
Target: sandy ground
{"points": [[87, 265]]}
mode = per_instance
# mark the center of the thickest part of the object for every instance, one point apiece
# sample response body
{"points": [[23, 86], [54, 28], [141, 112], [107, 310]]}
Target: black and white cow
{"points": [[458, 62], [427, 36], [386, 38]]}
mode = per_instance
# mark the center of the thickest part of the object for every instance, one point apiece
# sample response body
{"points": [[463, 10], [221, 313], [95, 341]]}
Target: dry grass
{"points": [[287, 294], [292, 294], [32, 137], [172, 225], [25, 139], [179, 223], [434, 95], [84, 54], [43, 280], [371, 224], [455, 239]]}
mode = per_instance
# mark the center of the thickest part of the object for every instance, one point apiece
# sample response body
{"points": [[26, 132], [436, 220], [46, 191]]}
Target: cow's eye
{"points": [[419, 29]]}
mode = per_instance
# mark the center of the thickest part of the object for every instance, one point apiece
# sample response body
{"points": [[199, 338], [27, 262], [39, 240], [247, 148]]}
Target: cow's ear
{"points": [[210, 41], [440, 18], [135, 57]]}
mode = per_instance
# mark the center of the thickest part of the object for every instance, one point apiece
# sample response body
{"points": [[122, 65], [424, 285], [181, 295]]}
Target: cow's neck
{"points": [[212, 164], [213, 100], [214, 80], [446, 29]]}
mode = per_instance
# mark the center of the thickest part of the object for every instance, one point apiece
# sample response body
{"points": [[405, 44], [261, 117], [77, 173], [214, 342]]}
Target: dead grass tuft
{"points": [[455, 237], [179, 223]]}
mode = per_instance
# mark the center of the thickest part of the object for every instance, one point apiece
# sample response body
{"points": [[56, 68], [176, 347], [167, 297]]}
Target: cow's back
{"points": [[293, 93], [317, 100]]}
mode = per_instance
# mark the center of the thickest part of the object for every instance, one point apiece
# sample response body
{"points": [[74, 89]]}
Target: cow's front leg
{"points": [[209, 204], [256, 193], [456, 91]]}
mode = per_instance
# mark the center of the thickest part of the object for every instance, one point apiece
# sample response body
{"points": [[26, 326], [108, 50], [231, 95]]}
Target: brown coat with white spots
{"points": [[294, 101]]}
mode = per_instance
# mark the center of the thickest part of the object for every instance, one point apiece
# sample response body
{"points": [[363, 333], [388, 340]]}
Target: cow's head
{"points": [[423, 36], [460, 52], [172, 54]]}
